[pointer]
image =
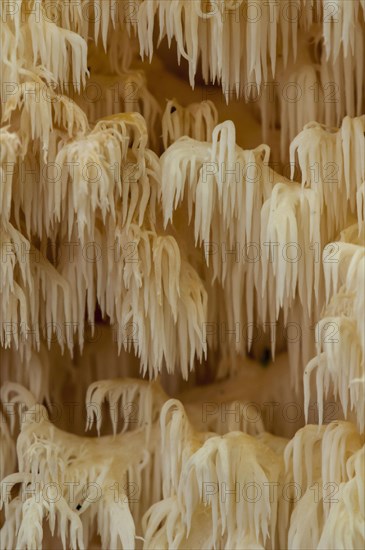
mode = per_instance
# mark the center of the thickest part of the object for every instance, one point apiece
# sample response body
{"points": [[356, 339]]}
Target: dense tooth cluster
{"points": [[197, 120], [197, 472], [329, 457], [140, 239], [336, 158], [341, 368]]}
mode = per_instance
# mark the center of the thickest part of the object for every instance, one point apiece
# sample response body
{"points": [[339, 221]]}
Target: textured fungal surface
{"points": [[182, 226]]}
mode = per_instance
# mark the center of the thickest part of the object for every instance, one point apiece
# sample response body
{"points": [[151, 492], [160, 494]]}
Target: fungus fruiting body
{"points": [[182, 274]]}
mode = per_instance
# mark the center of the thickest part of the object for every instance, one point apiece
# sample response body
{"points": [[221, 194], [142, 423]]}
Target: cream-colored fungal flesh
{"points": [[182, 210]]}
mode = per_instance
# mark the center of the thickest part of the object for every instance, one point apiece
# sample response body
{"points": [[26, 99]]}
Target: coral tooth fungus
{"points": [[182, 209]]}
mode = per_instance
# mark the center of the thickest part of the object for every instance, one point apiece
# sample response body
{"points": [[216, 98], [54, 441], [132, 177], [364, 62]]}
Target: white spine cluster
{"points": [[140, 218]]}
